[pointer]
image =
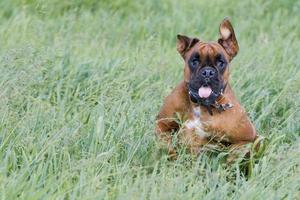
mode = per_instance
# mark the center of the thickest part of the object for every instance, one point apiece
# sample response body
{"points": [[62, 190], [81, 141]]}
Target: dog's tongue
{"points": [[204, 92]]}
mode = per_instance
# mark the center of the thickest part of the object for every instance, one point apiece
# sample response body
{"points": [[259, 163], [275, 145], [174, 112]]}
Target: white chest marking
{"points": [[195, 123]]}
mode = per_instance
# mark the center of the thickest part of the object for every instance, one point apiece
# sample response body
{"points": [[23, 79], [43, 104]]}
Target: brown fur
{"points": [[232, 126]]}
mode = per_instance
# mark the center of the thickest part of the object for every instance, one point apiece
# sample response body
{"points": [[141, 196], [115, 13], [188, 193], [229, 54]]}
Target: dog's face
{"points": [[206, 63]]}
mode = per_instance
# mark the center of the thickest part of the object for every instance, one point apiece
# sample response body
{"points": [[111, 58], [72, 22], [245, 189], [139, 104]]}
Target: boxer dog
{"points": [[203, 109]]}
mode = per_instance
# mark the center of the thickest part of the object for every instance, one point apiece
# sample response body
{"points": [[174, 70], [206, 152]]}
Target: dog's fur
{"points": [[199, 126]]}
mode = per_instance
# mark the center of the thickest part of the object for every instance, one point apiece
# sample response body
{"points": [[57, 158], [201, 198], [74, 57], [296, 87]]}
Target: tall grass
{"points": [[82, 81]]}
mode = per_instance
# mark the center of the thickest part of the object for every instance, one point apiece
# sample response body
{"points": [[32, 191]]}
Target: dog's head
{"points": [[206, 63]]}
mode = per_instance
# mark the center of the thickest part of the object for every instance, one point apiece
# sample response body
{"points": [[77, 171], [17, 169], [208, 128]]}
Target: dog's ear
{"points": [[228, 39], [185, 43]]}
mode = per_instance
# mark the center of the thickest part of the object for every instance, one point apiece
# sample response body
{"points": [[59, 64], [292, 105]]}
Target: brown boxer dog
{"points": [[202, 109]]}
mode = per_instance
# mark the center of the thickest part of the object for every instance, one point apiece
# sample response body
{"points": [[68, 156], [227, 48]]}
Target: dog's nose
{"points": [[208, 73]]}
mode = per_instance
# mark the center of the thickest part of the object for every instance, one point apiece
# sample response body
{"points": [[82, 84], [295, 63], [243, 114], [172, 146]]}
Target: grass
{"points": [[82, 82]]}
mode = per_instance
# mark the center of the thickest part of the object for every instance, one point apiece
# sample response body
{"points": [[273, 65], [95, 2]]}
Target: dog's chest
{"points": [[196, 124]]}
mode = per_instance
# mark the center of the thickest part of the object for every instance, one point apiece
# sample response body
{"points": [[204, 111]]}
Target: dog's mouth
{"points": [[207, 96], [204, 92]]}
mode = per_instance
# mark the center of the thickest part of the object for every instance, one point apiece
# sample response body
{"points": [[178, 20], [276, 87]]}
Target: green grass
{"points": [[81, 84]]}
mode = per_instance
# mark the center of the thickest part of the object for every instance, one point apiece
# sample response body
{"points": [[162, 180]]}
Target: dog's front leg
{"points": [[164, 129]]}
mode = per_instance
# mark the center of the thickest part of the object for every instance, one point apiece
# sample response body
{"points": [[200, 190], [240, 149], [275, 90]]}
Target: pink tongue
{"points": [[204, 92]]}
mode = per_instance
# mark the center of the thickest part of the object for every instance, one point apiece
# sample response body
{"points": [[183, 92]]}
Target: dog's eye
{"points": [[194, 63], [221, 64], [220, 61]]}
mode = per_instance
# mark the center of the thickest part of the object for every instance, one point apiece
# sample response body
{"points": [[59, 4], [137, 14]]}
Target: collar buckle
{"points": [[222, 107]]}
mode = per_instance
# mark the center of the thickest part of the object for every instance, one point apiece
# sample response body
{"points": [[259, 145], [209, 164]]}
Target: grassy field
{"points": [[81, 84]]}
